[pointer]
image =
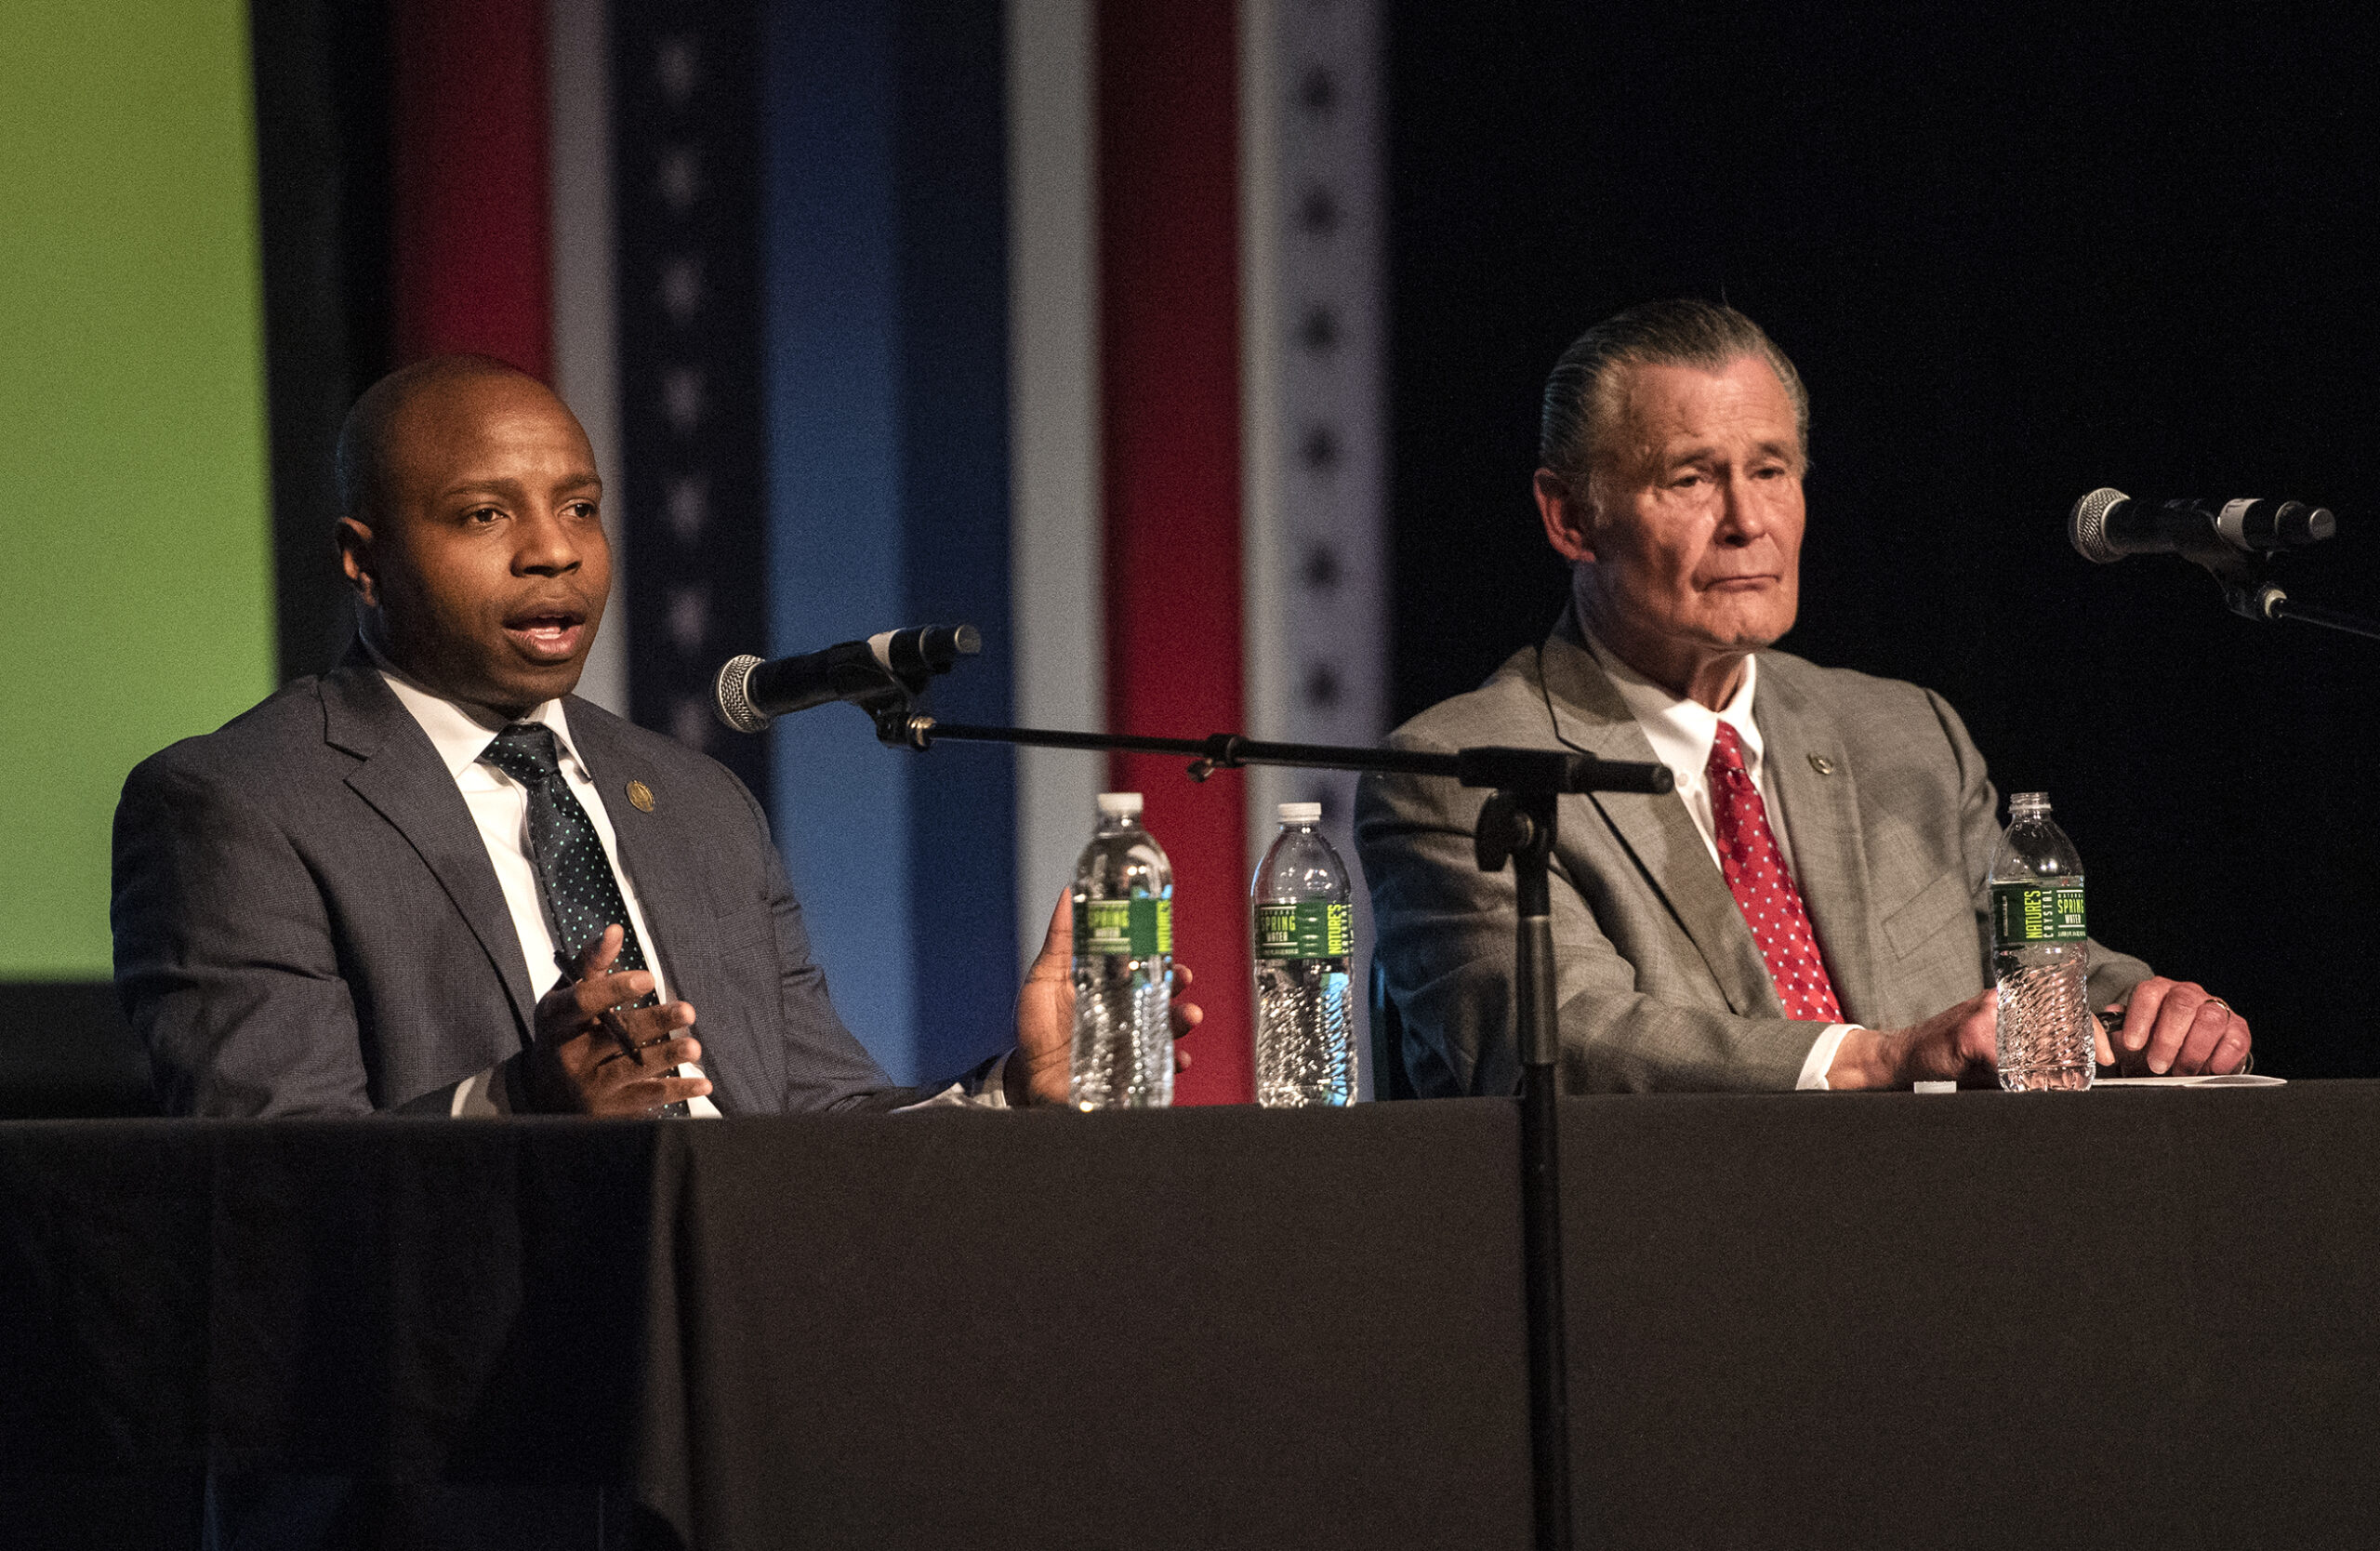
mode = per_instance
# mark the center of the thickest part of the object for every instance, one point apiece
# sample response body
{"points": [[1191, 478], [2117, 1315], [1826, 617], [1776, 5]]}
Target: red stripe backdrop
{"points": [[1169, 244], [468, 165]]}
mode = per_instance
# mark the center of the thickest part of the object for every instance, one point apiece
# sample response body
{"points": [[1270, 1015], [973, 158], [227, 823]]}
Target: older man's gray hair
{"points": [[1582, 396]]}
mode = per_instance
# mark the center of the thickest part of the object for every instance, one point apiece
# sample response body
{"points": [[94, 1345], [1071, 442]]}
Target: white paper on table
{"points": [[2204, 1079]]}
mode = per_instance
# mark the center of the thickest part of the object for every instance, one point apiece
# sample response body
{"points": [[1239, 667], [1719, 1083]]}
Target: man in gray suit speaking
{"points": [[1804, 910], [432, 880]]}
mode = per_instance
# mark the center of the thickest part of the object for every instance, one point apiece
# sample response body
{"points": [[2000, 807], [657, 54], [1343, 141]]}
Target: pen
{"points": [[608, 1018]]}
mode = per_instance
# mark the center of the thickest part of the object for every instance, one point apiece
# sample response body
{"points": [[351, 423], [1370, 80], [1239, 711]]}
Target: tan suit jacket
{"points": [[1892, 822]]}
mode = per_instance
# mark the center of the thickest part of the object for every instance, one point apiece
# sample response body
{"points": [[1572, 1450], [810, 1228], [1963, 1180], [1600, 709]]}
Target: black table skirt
{"points": [[1975, 1320]]}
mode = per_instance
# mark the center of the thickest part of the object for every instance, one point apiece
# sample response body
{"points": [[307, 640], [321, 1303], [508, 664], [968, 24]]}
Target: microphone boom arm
{"points": [[2280, 605], [1553, 771], [2251, 594]]}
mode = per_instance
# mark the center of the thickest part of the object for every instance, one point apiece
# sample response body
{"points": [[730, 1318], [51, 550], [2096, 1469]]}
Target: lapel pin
{"points": [[640, 797], [1818, 762]]}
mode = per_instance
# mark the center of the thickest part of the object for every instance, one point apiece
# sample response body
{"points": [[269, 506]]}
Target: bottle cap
{"points": [[2028, 800], [1119, 804], [1301, 813]]}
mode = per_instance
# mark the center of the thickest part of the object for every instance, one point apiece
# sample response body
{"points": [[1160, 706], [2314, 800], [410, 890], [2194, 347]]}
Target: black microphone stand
{"points": [[1518, 824], [2251, 593], [2271, 603]]}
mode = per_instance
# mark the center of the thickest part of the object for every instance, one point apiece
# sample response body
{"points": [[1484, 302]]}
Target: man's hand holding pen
{"points": [[598, 1053]]}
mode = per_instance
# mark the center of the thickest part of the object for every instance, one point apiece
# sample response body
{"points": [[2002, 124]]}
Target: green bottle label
{"points": [[1313, 929], [1141, 927], [2036, 913]]}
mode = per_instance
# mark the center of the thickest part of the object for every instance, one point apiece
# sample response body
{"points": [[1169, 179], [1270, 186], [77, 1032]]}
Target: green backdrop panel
{"points": [[136, 585]]}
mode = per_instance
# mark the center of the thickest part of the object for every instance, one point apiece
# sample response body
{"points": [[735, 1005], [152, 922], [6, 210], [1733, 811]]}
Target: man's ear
{"points": [[1569, 521], [355, 539]]}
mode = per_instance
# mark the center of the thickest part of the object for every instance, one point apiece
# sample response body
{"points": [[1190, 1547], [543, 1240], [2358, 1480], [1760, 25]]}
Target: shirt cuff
{"points": [[991, 1094], [483, 1096], [479, 1095], [1822, 1058], [699, 1108]]}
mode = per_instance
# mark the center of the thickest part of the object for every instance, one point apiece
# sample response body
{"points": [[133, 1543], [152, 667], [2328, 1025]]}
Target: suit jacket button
{"points": [[1820, 763]]}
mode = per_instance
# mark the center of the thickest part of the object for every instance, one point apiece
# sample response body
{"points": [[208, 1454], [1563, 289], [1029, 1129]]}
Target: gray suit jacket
{"points": [[307, 921], [1892, 822]]}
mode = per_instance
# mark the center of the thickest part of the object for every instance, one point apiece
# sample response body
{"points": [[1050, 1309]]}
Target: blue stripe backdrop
{"points": [[950, 141], [887, 369]]}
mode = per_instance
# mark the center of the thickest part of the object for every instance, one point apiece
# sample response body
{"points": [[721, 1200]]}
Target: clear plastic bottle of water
{"points": [[2039, 957], [1123, 923], [1306, 1042]]}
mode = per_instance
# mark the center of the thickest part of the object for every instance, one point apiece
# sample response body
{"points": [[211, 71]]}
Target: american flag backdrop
{"points": [[1058, 318]]}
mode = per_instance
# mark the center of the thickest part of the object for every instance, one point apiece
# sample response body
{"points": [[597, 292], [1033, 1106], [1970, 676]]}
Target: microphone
{"points": [[749, 693], [2108, 524]]}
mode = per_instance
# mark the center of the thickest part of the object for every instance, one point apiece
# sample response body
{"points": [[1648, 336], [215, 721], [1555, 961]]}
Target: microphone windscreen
{"points": [[731, 698], [2087, 527]]}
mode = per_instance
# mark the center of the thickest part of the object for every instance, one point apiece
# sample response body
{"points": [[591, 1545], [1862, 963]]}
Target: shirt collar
{"points": [[1682, 731], [461, 731]]}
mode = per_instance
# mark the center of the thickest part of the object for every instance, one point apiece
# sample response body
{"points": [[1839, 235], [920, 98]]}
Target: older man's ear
{"points": [[1566, 517]]}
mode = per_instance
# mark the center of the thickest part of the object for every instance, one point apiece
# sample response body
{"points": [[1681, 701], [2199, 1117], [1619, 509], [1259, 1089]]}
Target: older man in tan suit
{"points": [[1806, 909]]}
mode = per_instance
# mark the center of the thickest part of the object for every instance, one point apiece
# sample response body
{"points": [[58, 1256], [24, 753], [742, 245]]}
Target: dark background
{"points": [[2015, 255]]}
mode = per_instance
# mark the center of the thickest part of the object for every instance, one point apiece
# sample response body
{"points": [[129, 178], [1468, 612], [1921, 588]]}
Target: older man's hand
{"points": [[1956, 1044], [2169, 1026], [2172, 1028]]}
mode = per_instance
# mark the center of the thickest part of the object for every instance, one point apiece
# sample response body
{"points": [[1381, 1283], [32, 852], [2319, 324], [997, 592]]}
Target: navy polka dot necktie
{"points": [[574, 871], [582, 892], [1764, 890]]}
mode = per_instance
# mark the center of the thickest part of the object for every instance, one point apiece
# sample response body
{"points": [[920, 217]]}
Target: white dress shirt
{"points": [[1682, 732], [500, 807]]}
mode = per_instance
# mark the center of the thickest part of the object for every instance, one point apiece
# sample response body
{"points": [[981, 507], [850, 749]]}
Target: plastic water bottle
{"points": [[1305, 1043], [1123, 923], [2039, 957]]}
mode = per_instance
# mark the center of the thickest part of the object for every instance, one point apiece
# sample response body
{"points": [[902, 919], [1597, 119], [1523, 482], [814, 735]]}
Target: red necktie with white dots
{"points": [[1764, 890]]}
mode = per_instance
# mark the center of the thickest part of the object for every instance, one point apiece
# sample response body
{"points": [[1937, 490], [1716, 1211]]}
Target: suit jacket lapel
{"points": [[1818, 790], [406, 782], [1657, 831], [668, 891]]}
